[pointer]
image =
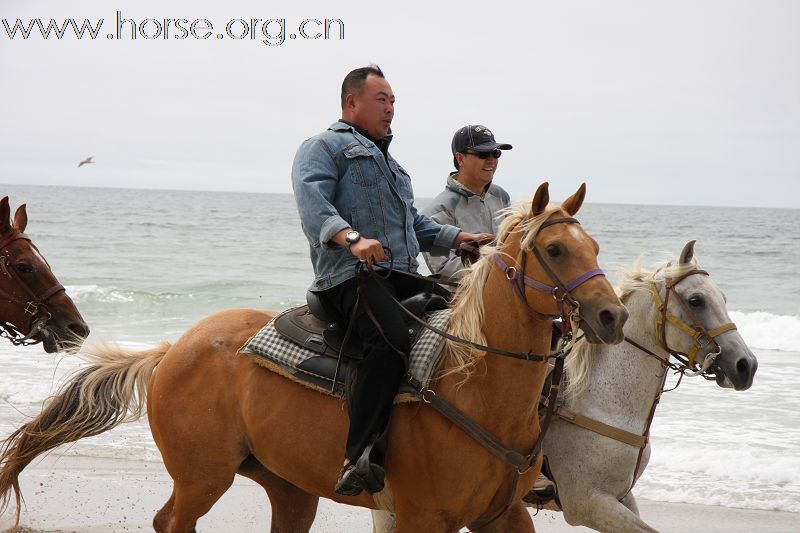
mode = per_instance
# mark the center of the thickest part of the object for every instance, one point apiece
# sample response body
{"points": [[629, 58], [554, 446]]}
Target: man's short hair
{"points": [[355, 80]]}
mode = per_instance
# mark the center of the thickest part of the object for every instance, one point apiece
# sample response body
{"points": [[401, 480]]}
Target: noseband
{"points": [[32, 305], [696, 330], [560, 292]]}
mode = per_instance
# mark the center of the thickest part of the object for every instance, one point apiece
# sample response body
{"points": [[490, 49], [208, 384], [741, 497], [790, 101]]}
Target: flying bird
{"points": [[86, 161]]}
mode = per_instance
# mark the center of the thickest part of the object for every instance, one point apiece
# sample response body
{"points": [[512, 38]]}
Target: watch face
{"points": [[352, 236]]}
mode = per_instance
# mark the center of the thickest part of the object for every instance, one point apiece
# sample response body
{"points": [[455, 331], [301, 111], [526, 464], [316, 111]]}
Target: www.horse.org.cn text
{"points": [[269, 31]]}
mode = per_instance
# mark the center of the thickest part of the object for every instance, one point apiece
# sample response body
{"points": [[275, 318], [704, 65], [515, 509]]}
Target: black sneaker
{"points": [[371, 474], [350, 482]]}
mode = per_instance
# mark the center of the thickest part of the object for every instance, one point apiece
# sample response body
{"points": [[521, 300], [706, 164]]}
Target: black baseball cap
{"points": [[477, 139]]}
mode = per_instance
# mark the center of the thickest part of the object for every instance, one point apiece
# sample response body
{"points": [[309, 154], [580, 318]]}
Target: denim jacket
{"points": [[342, 179]]}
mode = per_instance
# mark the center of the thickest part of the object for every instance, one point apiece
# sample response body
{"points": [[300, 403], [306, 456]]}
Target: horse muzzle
{"points": [[735, 369], [605, 325], [64, 338]]}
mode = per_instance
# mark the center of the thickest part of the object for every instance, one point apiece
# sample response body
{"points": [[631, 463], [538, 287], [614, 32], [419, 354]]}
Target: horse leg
{"points": [[516, 518], [605, 513], [416, 520], [293, 509], [202, 468], [629, 501], [191, 499], [161, 520], [383, 522]]}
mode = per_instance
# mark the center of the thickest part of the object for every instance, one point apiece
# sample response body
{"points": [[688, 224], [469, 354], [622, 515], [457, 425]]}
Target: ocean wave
{"points": [[744, 476], [98, 294], [766, 331]]}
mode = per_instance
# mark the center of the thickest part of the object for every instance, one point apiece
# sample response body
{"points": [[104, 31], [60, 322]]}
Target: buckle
{"points": [[31, 308]]}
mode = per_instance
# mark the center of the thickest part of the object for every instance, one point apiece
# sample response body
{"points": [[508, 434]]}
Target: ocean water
{"points": [[142, 266]]}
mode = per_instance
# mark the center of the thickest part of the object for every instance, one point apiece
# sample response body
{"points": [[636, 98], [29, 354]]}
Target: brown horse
{"points": [[33, 305], [215, 413]]}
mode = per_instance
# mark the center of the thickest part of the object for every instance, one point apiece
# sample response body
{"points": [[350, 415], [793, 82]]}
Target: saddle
{"points": [[315, 328]]}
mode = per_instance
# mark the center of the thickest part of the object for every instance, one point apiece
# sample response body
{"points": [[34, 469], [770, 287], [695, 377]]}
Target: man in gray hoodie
{"points": [[470, 200]]}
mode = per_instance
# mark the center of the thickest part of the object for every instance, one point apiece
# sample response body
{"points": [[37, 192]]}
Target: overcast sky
{"points": [[681, 102]]}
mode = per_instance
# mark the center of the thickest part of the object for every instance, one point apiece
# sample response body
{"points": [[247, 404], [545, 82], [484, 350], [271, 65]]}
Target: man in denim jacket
{"points": [[355, 202]]}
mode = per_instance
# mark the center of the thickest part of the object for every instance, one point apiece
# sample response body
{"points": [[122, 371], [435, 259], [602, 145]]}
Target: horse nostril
{"points": [[607, 319], [743, 367], [80, 329]]}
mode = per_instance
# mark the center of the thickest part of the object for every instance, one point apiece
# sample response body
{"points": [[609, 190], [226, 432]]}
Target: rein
{"points": [[520, 463], [30, 306]]}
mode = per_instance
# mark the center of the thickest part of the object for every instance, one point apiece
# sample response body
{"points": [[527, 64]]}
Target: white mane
{"points": [[578, 367]]}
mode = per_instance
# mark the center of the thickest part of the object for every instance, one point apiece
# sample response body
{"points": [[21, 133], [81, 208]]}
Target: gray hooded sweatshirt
{"points": [[460, 207]]}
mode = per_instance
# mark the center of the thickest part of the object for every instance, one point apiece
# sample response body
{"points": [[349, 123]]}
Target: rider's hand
{"points": [[368, 251], [474, 239], [468, 245]]}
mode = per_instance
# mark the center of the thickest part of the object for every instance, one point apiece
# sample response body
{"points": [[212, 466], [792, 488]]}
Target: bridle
{"points": [[560, 292], [32, 305], [696, 330]]}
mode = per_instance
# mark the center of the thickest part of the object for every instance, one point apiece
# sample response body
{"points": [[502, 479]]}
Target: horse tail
{"points": [[96, 399]]}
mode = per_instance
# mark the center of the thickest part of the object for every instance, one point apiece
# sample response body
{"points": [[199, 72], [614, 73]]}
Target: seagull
{"points": [[86, 161]]}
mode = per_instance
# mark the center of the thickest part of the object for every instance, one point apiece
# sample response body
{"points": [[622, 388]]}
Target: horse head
{"points": [[33, 305], [555, 267], [695, 323]]}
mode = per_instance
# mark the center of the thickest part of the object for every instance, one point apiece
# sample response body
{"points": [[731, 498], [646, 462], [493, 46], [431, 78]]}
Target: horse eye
{"points": [[24, 268], [553, 250], [696, 301]]}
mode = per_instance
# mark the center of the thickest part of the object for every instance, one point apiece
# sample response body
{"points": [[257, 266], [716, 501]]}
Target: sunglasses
{"points": [[496, 153]]}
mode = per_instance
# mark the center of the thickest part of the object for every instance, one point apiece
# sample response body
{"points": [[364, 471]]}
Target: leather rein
{"points": [[561, 293], [33, 305], [687, 366]]}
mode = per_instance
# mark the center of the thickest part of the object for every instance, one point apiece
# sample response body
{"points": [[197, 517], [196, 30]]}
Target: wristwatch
{"points": [[352, 237]]}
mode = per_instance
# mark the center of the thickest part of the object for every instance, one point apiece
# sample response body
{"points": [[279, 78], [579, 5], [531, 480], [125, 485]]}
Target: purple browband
{"points": [[538, 285]]}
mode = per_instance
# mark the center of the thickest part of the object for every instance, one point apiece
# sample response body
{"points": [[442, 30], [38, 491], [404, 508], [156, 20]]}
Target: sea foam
{"points": [[767, 331]]}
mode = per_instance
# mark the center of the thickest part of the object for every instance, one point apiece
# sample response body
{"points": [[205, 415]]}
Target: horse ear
{"points": [[5, 212], [572, 204], [687, 254], [540, 199], [20, 219]]}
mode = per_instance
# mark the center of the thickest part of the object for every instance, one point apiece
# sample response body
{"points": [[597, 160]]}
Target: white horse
{"points": [[597, 445]]}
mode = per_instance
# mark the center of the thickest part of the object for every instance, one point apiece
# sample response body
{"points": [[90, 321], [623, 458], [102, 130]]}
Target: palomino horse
{"points": [[33, 305], [596, 461], [215, 413]]}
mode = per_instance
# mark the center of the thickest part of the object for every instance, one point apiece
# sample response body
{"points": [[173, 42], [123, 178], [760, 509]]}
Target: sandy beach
{"points": [[86, 494]]}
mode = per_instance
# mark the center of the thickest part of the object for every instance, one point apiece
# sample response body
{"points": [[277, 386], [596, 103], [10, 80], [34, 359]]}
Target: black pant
{"points": [[380, 372]]}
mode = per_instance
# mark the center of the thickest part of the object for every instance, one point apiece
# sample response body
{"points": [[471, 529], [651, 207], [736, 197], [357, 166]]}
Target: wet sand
{"points": [[86, 494]]}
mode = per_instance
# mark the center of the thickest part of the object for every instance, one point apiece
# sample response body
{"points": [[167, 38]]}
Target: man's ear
{"points": [[349, 101]]}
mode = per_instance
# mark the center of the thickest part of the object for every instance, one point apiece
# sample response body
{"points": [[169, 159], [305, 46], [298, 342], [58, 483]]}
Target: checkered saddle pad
{"points": [[315, 364]]}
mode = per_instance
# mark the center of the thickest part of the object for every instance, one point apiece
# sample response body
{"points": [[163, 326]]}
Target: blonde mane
{"points": [[467, 315], [578, 366]]}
